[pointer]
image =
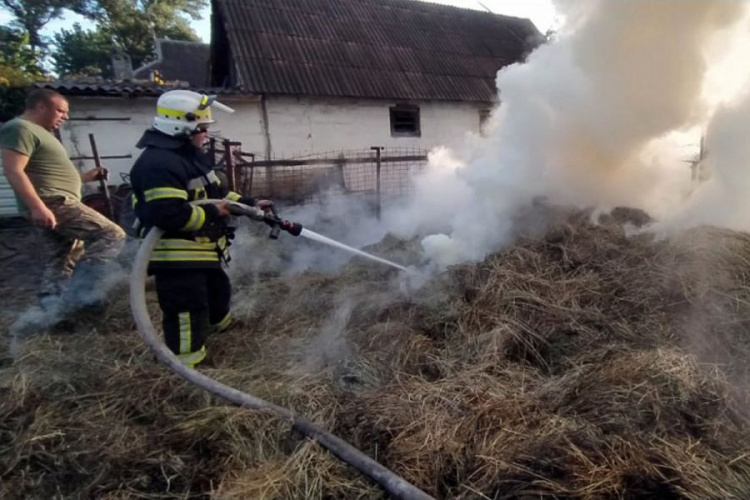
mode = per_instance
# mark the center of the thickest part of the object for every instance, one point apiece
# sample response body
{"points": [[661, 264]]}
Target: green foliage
{"points": [[18, 57], [123, 26], [11, 100], [82, 53], [132, 26], [32, 15], [18, 69]]}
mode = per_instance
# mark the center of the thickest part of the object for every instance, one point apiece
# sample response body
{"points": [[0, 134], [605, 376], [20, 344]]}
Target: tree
{"points": [[128, 26], [29, 18], [16, 52], [133, 25], [32, 15], [19, 68], [82, 53]]}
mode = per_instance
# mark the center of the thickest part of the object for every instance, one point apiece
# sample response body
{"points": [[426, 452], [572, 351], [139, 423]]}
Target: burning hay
{"points": [[582, 364]]}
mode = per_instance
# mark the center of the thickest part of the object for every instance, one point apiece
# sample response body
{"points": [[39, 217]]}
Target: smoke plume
{"points": [[53, 311], [590, 119], [610, 112]]}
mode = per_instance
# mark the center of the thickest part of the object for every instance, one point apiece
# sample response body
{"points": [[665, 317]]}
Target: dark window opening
{"points": [[484, 118], [405, 121]]}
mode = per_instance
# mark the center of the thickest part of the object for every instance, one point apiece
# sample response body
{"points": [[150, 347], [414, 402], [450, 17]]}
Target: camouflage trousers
{"points": [[82, 235]]}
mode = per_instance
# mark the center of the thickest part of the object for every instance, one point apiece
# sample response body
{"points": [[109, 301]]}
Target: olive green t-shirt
{"points": [[49, 169]]}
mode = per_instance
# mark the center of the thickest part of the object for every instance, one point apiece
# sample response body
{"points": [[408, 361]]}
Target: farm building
{"points": [[308, 77]]}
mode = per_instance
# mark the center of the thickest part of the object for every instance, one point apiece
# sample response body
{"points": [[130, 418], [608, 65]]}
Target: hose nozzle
{"points": [[293, 228], [271, 218], [277, 224]]}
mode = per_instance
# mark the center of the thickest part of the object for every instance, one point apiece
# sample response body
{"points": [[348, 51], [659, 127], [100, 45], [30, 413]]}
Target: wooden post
{"points": [[249, 191], [212, 150], [230, 164], [102, 178], [377, 150]]}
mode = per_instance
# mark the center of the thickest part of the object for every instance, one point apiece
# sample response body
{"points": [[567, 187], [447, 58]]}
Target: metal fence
{"points": [[377, 171]]}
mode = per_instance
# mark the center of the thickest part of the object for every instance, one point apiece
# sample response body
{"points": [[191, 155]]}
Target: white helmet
{"points": [[181, 112]]}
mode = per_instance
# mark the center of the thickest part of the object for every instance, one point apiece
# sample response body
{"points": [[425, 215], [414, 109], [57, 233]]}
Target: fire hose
{"points": [[391, 482]]}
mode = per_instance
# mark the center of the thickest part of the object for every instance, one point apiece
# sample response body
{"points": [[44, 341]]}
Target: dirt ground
{"points": [[21, 262]]}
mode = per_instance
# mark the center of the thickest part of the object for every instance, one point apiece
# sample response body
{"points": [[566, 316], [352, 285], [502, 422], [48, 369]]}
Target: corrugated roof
{"points": [[384, 49], [179, 60], [138, 88]]}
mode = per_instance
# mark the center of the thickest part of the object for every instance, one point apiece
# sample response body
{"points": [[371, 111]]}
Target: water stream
{"points": [[312, 235]]}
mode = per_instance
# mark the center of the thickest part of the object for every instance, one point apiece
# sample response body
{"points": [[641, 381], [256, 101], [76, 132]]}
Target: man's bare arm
{"points": [[14, 164]]}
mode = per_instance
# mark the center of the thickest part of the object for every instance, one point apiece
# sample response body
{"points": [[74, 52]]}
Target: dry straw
{"points": [[579, 364]]}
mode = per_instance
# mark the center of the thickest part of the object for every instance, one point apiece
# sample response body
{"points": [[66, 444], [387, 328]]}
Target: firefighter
{"points": [[192, 288]]}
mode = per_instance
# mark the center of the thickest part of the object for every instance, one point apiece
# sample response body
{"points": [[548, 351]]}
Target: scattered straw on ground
{"points": [[582, 364]]}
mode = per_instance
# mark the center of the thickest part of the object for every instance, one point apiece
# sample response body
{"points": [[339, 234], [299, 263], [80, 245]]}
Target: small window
{"points": [[405, 121], [484, 117]]}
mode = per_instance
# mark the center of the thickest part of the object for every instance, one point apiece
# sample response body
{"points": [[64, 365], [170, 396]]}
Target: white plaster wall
{"points": [[244, 125], [120, 137], [301, 125], [112, 137], [297, 126]]}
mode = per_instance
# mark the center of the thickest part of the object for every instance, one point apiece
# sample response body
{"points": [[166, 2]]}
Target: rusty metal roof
{"points": [[383, 49], [179, 60]]}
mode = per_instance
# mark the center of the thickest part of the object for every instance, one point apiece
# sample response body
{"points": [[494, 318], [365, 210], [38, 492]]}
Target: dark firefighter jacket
{"points": [[168, 175]]}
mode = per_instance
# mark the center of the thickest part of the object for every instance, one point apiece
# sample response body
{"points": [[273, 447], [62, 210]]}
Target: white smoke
{"points": [[608, 113], [591, 118], [347, 219], [722, 200], [328, 344], [53, 311]]}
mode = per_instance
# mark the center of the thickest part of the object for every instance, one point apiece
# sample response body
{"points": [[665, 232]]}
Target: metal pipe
{"points": [[391, 482]]}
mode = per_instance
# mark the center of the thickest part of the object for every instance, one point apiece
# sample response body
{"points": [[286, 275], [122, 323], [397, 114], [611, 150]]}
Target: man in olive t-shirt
{"points": [[48, 185], [49, 169]]}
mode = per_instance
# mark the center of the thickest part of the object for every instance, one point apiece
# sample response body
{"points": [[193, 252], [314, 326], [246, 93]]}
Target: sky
{"points": [[541, 13]]}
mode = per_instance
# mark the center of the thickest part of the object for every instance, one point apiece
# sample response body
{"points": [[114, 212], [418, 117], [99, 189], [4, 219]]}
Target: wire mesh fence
{"points": [[379, 171]]}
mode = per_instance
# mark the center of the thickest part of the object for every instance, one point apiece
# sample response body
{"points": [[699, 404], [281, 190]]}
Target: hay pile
{"points": [[583, 364]]}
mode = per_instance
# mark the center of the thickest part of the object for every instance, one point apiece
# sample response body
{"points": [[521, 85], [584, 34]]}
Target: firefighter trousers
{"points": [[194, 303]]}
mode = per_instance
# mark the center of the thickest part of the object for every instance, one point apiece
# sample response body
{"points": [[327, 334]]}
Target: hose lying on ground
{"points": [[391, 482]]}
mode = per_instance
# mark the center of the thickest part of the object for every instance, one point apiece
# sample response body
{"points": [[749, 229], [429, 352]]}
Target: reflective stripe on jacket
{"points": [[168, 175]]}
